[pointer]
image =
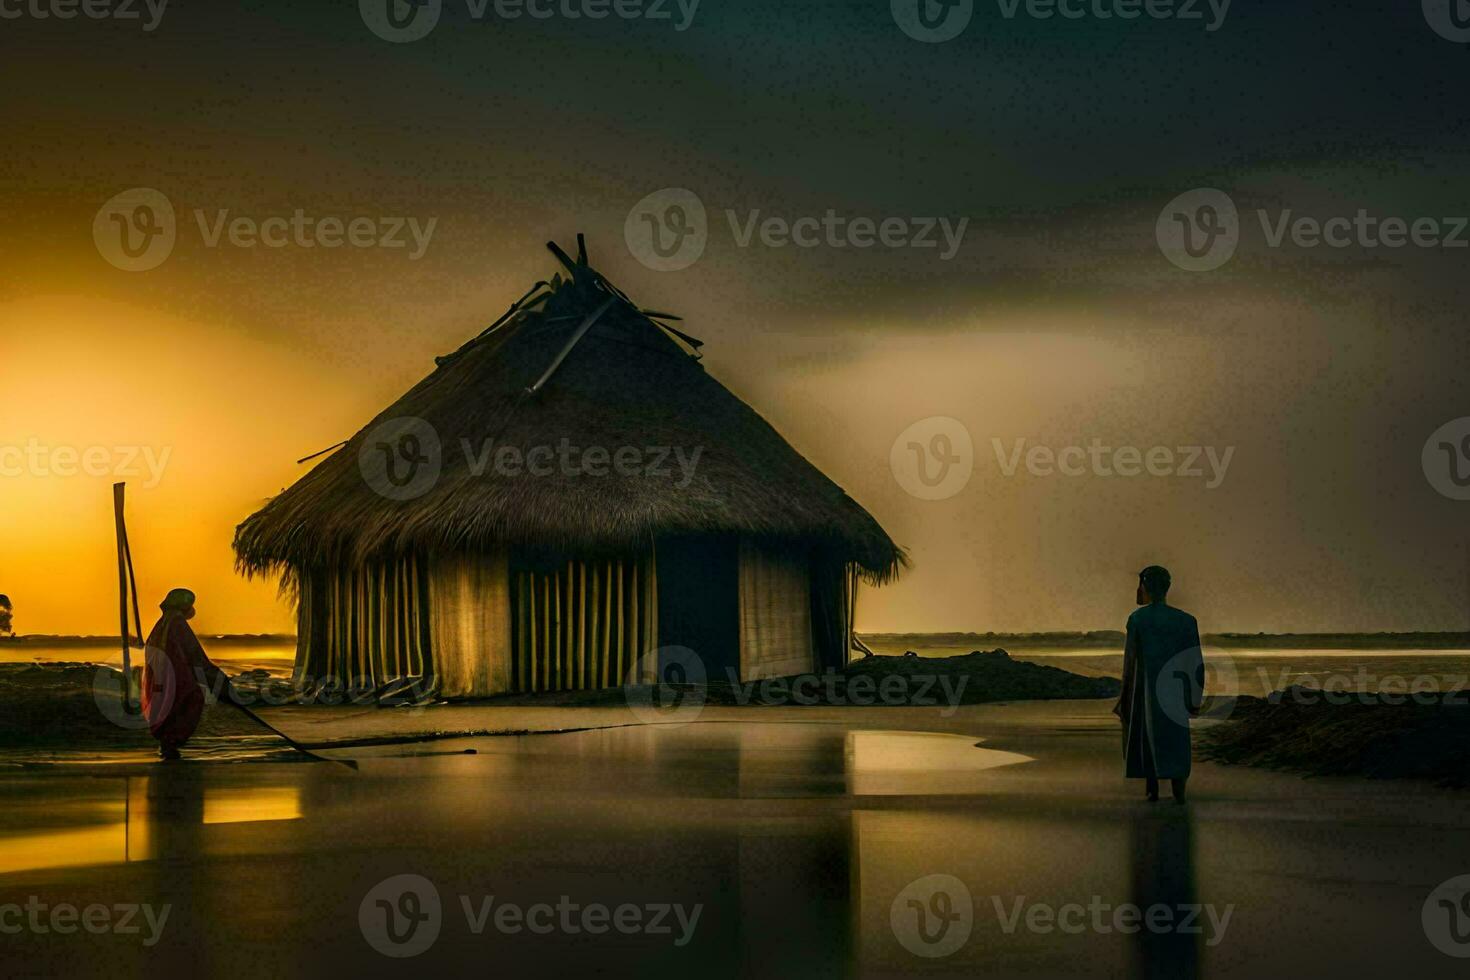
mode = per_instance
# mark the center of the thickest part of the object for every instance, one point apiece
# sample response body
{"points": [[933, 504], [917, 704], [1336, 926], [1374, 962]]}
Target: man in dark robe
{"points": [[1163, 685], [174, 676]]}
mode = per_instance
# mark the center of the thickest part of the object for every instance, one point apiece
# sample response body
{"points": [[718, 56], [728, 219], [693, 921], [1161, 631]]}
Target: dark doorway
{"points": [[699, 600]]}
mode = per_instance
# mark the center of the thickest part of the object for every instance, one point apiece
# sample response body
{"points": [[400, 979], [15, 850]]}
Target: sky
{"points": [[1063, 323]]}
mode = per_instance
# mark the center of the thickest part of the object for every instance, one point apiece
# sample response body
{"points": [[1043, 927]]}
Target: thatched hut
{"points": [[565, 495]]}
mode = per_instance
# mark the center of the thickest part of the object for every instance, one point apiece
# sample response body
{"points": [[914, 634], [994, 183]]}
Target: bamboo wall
{"points": [[362, 628], [474, 627], [585, 625]]}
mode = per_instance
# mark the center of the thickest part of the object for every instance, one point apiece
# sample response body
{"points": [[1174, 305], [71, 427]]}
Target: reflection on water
{"points": [[252, 804], [897, 763], [232, 655], [1162, 850], [142, 819], [770, 828], [71, 848]]}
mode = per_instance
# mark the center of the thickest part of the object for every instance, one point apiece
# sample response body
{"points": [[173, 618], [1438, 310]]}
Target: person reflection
{"points": [[1163, 875]]}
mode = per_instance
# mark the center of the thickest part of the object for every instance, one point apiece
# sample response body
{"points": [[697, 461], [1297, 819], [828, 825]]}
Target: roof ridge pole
{"points": [[566, 260], [580, 332]]}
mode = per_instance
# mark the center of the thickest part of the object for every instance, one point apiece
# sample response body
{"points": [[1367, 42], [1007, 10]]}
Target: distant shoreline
{"points": [[969, 641], [46, 640], [1114, 639]]}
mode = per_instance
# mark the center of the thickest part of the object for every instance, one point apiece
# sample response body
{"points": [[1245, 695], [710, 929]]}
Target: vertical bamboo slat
{"points": [[606, 571], [544, 679]]}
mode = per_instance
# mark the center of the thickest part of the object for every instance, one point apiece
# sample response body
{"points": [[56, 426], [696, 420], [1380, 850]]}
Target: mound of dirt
{"points": [[1300, 730]]}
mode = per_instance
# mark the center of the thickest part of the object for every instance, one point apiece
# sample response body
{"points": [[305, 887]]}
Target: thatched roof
{"points": [[627, 382]]}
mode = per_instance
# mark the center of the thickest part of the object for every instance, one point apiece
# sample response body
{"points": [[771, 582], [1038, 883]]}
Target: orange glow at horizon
{"points": [[95, 393]]}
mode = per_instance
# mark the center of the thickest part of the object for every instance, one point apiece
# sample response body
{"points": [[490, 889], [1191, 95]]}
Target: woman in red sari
{"points": [[174, 676]]}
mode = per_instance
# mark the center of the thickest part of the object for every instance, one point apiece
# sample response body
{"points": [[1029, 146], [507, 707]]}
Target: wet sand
{"points": [[795, 831]]}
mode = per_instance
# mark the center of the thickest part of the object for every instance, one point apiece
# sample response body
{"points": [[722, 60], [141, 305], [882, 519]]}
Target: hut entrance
{"points": [[699, 601]]}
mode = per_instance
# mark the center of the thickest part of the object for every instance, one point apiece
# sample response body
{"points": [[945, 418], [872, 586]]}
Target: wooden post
{"points": [[127, 585]]}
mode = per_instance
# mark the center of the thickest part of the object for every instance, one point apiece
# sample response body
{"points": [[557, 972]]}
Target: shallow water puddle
{"points": [[901, 763], [133, 823]]}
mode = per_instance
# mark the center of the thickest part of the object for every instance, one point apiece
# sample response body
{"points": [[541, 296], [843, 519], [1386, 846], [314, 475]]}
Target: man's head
{"points": [[1153, 584], [179, 601]]}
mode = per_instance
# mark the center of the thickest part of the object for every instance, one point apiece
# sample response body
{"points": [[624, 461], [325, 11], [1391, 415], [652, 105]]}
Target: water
{"points": [[233, 656], [809, 850]]}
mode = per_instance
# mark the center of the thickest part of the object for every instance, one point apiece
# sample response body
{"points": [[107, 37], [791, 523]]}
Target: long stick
{"points": [[133, 584], [282, 735]]}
